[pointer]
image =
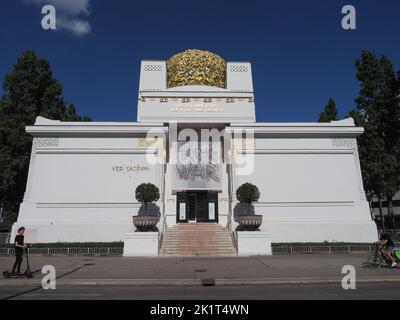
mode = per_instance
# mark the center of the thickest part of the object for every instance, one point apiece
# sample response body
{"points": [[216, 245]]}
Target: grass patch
{"points": [[73, 245], [319, 244]]}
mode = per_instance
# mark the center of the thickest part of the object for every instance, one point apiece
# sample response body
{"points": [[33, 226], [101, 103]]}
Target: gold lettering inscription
{"points": [[197, 107], [130, 169]]}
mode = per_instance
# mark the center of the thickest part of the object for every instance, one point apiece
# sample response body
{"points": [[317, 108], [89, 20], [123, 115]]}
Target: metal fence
{"points": [[116, 251], [353, 248]]}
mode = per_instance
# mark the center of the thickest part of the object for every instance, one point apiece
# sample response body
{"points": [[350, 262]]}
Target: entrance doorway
{"points": [[197, 206]]}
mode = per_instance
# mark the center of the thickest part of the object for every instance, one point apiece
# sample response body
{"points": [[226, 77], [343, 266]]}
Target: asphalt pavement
{"points": [[308, 276], [325, 291]]}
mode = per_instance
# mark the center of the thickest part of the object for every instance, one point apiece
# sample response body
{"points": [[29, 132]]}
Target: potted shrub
{"points": [[247, 194], [146, 193]]}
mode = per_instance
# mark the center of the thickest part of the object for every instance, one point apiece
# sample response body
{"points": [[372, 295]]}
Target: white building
{"points": [[82, 176]]}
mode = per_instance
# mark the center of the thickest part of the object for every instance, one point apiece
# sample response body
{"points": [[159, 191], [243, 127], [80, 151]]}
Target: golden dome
{"points": [[196, 67]]}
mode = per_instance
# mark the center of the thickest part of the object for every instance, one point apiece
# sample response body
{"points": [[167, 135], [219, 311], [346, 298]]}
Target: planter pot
{"points": [[145, 223], [250, 223]]}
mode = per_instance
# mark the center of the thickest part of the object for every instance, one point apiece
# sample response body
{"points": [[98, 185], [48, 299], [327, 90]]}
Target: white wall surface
{"points": [[304, 177], [90, 178], [81, 186], [311, 189]]}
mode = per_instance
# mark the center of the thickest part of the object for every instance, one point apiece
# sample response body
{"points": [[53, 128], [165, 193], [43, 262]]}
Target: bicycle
{"points": [[378, 259]]}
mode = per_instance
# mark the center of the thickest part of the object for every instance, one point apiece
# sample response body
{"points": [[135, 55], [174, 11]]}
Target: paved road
{"points": [[188, 269], [275, 277], [385, 291]]}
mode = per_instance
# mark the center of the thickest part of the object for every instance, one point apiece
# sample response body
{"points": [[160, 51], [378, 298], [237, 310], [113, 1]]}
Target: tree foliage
{"points": [[247, 193], [30, 90], [146, 193], [330, 112], [378, 111]]}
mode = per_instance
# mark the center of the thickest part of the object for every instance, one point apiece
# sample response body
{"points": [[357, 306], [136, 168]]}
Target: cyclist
{"points": [[387, 246]]}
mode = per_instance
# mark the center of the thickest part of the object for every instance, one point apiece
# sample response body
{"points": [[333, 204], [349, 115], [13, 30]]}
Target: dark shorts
{"points": [[390, 249]]}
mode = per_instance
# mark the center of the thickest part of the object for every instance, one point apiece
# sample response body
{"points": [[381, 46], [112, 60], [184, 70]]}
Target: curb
{"points": [[192, 282]]}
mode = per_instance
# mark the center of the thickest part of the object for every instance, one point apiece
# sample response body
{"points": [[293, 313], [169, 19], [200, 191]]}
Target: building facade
{"points": [[196, 138]]}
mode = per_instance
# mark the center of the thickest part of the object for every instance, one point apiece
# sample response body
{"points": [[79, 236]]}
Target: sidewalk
{"points": [[290, 269]]}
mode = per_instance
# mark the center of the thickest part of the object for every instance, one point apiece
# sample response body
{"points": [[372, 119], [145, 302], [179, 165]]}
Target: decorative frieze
{"points": [[346, 143], [147, 142], [153, 67], [239, 68], [45, 142], [245, 143], [197, 99]]}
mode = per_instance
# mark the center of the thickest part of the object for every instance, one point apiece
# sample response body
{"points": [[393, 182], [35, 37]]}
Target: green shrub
{"points": [[247, 193], [147, 193], [73, 245]]}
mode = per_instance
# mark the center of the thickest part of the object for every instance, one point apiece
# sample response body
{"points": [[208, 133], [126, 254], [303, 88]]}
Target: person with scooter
{"points": [[19, 247], [387, 246]]}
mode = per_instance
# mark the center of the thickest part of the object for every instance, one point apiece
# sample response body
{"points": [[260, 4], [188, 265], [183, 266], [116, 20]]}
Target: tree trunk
{"points": [[381, 214], [390, 211], [371, 210]]}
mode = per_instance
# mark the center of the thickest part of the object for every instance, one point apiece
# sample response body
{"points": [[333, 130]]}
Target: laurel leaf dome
{"points": [[196, 67]]}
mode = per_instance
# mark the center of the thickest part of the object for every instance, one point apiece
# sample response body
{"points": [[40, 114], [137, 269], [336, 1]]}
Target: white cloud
{"points": [[76, 26], [71, 14]]}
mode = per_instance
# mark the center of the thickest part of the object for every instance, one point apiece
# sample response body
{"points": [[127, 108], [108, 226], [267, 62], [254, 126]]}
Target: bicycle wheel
{"points": [[375, 260]]}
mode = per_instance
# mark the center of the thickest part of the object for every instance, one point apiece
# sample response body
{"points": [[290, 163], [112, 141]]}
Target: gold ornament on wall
{"points": [[196, 68]]}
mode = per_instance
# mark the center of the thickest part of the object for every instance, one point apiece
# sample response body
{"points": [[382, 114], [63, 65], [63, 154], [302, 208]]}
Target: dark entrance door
{"points": [[191, 206], [197, 206]]}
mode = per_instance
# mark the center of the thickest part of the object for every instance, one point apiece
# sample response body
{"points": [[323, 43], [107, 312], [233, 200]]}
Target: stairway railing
{"points": [[232, 233], [162, 233]]}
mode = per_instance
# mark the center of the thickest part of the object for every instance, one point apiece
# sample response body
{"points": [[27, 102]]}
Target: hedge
{"points": [[73, 245]]}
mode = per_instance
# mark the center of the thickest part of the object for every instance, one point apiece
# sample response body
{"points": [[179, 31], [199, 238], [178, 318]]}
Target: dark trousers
{"points": [[18, 260]]}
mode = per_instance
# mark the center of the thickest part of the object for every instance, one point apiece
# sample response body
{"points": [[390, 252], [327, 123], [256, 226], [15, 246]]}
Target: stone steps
{"points": [[197, 239]]}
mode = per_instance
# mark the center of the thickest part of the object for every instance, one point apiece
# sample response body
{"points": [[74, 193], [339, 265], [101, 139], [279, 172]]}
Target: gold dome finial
{"points": [[196, 67]]}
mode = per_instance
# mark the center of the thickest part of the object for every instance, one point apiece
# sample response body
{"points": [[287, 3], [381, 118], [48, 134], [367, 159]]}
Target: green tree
{"points": [[146, 193], [248, 193], [30, 90], [378, 112], [330, 112]]}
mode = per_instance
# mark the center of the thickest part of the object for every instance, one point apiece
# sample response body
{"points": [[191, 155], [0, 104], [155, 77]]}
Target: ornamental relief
{"points": [[196, 68], [148, 142], [346, 143], [242, 144], [45, 142]]}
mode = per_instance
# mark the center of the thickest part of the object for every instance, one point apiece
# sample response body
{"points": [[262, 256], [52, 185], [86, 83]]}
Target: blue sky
{"points": [[300, 55]]}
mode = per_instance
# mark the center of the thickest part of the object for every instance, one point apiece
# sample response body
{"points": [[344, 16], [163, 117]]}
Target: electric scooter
{"points": [[27, 274]]}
